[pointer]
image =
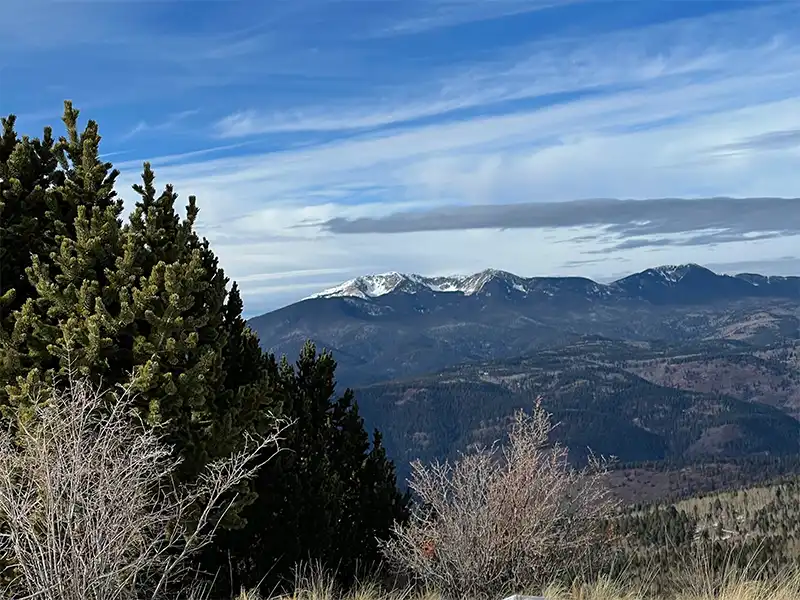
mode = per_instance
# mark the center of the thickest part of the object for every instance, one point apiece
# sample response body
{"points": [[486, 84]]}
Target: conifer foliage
{"points": [[329, 503], [81, 290], [28, 177], [147, 296]]}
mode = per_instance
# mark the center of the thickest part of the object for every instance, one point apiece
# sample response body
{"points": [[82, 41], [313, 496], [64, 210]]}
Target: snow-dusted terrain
{"points": [[377, 285], [374, 286]]}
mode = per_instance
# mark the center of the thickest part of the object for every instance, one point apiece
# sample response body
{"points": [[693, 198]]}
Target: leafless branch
{"points": [[89, 505], [502, 518]]}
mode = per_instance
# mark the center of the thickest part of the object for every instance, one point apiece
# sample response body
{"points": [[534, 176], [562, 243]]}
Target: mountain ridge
{"points": [[402, 325], [372, 286]]}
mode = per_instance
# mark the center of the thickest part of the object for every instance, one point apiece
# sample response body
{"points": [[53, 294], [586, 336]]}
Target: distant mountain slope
{"points": [[768, 376], [394, 325], [599, 406], [669, 283]]}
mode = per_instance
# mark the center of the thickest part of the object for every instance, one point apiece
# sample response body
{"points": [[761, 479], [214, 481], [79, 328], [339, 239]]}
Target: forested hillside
{"points": [[754, 528], [600, 402]]}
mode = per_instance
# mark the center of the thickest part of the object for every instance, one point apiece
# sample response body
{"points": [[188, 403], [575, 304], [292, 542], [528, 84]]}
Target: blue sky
{"points": [[310, 129]]}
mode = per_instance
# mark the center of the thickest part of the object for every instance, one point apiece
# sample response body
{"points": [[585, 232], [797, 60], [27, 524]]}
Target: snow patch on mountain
{"points": [[674, 273], [368, 286], [374, 286]]}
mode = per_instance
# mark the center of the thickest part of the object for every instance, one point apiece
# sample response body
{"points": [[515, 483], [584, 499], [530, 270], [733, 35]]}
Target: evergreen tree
{"points": [[79, 236], [148, 297], [28, 176], [329, 497]]}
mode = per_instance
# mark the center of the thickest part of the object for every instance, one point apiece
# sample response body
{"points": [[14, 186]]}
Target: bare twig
{"points": [[502, 519], [90, 506]]}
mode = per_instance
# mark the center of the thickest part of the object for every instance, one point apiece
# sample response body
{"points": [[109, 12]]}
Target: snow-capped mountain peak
{"points": [[366, 286], [376, 285], [674, 273]]}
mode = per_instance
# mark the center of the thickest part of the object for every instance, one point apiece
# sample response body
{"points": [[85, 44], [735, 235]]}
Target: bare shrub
{"points": [[504, 519], [89, 507]]}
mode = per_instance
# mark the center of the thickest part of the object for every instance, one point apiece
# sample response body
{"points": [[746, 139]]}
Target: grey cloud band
{"points": [[732, 217]]}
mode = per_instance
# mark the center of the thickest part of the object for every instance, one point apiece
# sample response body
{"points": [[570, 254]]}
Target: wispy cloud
{"points": [[169, 123], [652, 58], [480, 134], [771, 140], [437, 14]]}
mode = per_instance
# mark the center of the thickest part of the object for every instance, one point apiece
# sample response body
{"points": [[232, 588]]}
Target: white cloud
{"points": [[437, 14], [661, 55], [667, 100]]}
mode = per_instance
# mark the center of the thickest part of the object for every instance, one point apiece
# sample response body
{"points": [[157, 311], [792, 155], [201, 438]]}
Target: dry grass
{"points": [[703, 587]]}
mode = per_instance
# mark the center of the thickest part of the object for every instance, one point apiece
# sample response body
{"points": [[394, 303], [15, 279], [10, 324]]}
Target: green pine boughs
{"points": [[108, 299], [81, 290]]}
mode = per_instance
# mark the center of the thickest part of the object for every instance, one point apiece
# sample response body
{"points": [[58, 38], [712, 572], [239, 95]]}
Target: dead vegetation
{"points": [[89, 508], [502, 518], [91, 512]]}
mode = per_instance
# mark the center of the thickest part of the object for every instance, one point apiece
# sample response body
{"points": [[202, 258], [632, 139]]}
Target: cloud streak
{"points": [[338, 137], [771, 140], [540, 73], [169, 123], [733, 216], [438, 14]]}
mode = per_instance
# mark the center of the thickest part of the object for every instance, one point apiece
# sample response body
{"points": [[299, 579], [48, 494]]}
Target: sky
{"points": [[327, 139]]}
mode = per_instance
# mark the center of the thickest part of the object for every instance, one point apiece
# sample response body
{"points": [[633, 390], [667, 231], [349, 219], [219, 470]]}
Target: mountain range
{"points": [[669, 283], [675, 365], [394, 325]]}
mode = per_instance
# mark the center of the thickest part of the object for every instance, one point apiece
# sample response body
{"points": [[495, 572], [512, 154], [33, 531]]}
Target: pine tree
{"points": [[81, 232], [28, 176], [36, 222], [147, 297], [328, 497]]}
